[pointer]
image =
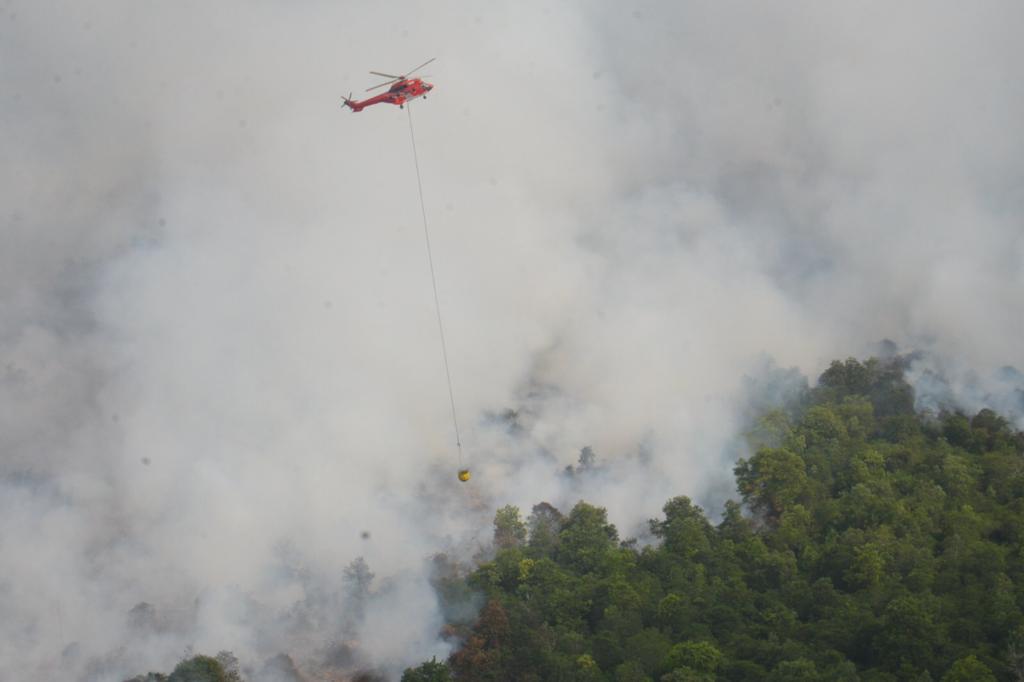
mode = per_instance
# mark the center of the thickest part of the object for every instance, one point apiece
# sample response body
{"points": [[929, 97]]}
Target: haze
{"points": [[219, 364]]}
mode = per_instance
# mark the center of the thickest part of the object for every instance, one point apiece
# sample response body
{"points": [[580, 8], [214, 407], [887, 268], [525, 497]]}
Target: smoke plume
{"points": [[220, 379]]}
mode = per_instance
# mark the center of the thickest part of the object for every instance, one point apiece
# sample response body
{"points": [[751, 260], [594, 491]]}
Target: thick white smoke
{"points": [[220, 381]]}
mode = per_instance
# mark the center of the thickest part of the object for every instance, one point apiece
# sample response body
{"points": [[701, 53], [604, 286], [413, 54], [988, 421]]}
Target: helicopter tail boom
{"points": [[353, 104]]}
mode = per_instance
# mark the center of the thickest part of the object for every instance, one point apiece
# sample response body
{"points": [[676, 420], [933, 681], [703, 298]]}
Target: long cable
{"points": [[433, 282]]}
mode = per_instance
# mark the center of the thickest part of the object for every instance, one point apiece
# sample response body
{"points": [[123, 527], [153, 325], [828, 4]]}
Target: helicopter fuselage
{"points": [[399, 93]]}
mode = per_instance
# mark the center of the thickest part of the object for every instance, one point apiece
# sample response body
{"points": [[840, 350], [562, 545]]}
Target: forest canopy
{"points": [[868, 542]]}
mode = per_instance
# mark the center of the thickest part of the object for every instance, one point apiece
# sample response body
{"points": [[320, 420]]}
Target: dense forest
{"points": [[869, 542]]}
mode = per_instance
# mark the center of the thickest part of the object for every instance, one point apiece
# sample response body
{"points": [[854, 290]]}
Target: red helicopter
{"points": [[401, 91]]}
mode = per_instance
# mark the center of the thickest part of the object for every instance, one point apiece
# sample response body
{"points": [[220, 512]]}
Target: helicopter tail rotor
{"points": [[351, 103]]}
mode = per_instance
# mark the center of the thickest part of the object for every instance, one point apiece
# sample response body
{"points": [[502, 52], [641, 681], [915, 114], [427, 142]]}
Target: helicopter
{"points": [[401, 91]]}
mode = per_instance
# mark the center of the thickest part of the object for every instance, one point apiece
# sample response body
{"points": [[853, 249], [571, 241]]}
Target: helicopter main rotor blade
{"points": [[386, 75], [420, 66], [383, 84]]}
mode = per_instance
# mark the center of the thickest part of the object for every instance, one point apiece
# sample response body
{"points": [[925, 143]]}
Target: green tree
{"points": [[799, 670], [200, 669], [587, 670], [909, 634], [701, 657], [429, 671], [845, 378], [509, 529], [554, 594], [687, 675], [771, 481], [586, 538], [631, 671], [969, 669], [649, 648], [685, 530], [544, 523]]}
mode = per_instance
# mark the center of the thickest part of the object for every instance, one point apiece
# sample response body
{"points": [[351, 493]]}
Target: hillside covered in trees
{"points": [[867, 542], [872, 543]]}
